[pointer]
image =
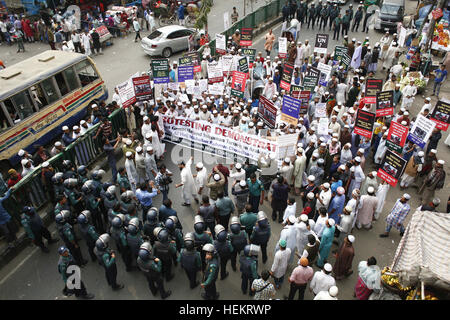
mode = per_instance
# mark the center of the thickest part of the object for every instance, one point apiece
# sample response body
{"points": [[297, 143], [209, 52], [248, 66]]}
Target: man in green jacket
{"points": [[337, 27], [248, 219], [211, 273]]}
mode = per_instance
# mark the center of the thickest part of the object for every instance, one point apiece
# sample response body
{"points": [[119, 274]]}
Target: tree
{"points": [[202, 17]]}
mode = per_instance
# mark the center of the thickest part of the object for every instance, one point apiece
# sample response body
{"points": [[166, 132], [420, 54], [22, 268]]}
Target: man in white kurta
{"points": [[322, 279], [150, 163], [370, 181], [299, 169], [270, 89], [238, 174], [140, 166], [390, 54], [286, 170], [381, 194], [366, 209], [280, 262], [306, 50], [187, 182], [409, 92], [201, 179], [146, 126], [356, 59], [289, 233], [131, 170], [157, 145], [358, 174], [381, 150], [289, 211], [86, 43]]}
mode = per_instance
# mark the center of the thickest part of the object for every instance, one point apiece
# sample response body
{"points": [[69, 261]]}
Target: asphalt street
{"points": [[33, 274]]}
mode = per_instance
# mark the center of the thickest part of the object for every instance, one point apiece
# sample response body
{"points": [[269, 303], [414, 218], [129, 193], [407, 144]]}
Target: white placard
{"points": [[221, 42], [216, 88], [321, 110], [215, 71], [322, 127], [402, 37], [282, 46]]}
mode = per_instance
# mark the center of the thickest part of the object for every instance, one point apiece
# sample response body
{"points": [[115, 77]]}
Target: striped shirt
{"points": [[398, 213]]}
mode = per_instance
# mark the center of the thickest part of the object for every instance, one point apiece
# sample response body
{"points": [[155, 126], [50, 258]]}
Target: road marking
{"points": [[18, 266]]}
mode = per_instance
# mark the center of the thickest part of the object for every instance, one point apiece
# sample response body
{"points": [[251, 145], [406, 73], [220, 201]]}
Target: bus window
{"points": [[49, 90], [23, 103], [61, 84], [86, 72], [4, 122], [38, 95], [13, 114], [71, 78]]}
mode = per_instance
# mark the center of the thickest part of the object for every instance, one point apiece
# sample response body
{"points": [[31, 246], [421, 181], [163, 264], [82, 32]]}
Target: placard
{"points": [[304, 99], [311, 71], [325, 73], [267, 112], [441, 115], [246, 37], [226, 20], [160, 70], [402, 37], [185, 61], [238, 84], [321, 43], [322, 127], [396, 138], [421, 131], [385, 103], [372, 87], [243, 65], [295, 91], [391, 168], [126, 92], [364, 123], [142, 88], [216, 88], [282, 47], [195, 57], [227, 64], [286, 77], [321, 110], [310, 82], [215, 72], [290, 110], [221, 43], [250, 53], [342, 57], [104, 33]]}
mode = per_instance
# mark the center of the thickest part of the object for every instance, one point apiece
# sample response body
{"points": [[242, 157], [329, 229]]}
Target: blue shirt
{"points": [[336, 185], [336, 203], [4, 215], [440, 75], [145, 197], [67, 139], [181, 12]]}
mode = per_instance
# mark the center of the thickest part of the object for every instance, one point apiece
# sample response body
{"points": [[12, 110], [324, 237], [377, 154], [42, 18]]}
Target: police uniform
{"points": [[248, 267], [35, 229], [261, 235], [191, 263], [166, 251], [108, 262], [210, 277]]}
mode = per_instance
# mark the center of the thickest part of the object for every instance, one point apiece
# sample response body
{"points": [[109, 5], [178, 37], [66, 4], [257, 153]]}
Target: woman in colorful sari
{"points": [[369, 279]]}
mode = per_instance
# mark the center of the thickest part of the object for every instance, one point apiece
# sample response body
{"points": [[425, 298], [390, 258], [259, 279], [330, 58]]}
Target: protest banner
{"points": [[215, 72], [160, 70], [185, 61], [391, 168], [310, 82], [238, 84], [396, 138], [321, 110], [364, 123], [195, 58], [216, 88], [441, 115], [221, 43], [421, 131], [250, 53], [287, 146], [104, 33], [311, 71], [385, 103], [342, 57], [227, 64], [185, 73], [282, 47], [126, 92], [286, 77], [243, 65], [290, 110], [246, 37], [304, 99], [325, 73], [322, 126], [372, 87], [142, 88], [321, 43], [215, 139], [267, 112], [295, 91]]}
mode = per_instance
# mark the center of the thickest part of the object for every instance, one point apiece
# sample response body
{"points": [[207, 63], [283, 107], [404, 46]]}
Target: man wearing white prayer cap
{"points": [[326, 242], [366, 209], [286, 170], [322, 280], [131, 170], [370, 181], [397, 215], [331, 294], [434, 180], [412, 169], [343, 264]]}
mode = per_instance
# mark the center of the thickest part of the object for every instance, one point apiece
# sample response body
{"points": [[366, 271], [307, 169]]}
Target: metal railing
{"points": [[31, 191], [252, 20]]}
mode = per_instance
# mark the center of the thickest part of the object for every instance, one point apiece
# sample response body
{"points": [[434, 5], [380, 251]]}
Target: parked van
{"points": [[391, 13]]}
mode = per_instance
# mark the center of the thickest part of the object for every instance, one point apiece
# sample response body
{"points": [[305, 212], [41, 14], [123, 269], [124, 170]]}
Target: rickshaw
{"points": [[166, 15]]}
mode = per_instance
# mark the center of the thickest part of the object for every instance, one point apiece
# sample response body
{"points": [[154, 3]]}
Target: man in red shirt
{"points": [[14, 177]]}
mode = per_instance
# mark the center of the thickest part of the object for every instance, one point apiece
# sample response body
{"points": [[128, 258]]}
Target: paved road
{"points": [[33, 275]]}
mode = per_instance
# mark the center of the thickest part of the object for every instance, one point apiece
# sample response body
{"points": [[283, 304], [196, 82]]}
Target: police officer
{"points": [[151, 224], [88, 232], [174, 232], [66, 233], [211, 273], [208, 212], [110, 201], [190, 260], [69, 170], [223, 248], [97, 181], [152, 268], [166, 251], [126, 201], [301, 12], [357, 19], [92, 203], [201, 237], [134, 238], [333, 15], [82, 175], [261, 234], [122, 180], [312, 15], [58, 187], [324, 13], [238, 239], [35, 229], [66, 260], [118, 233], [107, 259], [249, 267], [75, 197]]}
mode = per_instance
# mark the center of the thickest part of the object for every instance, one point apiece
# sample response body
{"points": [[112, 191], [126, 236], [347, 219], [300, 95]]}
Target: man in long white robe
{"points": [[140, 166], [201, 179], [370, 181], [390, 54], [381, 150], [157, 145], [289, 233], [187, 182], [286, 170], [299, 169], [381, 194], [146, 126], [150, 163], [356, 59], [358, 174], [409, 92], [131, 170], [366, 209]]}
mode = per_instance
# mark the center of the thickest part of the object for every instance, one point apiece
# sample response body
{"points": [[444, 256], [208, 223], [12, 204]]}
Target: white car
{"points": [[167, 40]]}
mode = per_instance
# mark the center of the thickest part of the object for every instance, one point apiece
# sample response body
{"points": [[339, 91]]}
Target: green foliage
{"points": [[202, 17]]}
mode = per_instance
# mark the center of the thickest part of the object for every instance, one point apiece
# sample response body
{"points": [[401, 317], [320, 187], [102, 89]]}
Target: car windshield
{"points": [[155, 34], [390, 9]]}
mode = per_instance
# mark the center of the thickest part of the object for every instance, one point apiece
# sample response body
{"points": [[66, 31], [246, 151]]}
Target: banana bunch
{"points": [[392, 280], [417, 296]]}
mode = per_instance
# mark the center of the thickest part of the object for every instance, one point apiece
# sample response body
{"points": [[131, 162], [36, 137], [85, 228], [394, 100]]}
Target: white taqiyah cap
{"points": [[300, 150], [327, 267], [320, 161], [24, 161], [311, 178], [370, 190], [82, 122], [326, 185], [238, 166], [45, 164], [21, 152], [433, 151], [199, 165], [406, 196], [148, 135], [242, 183], [421, 153], [58, 144], [340, 190], [441, 162], [357, 159], [349, 208], [217, 177], [315, 155], [304, 217], [149, 148], [139, 149], [292, 219], [333, 291], [287, 160], [128, 142], [342, 167], [146, 118], [65, 128], [128, 154], [351, 238], [310, 195], [331, 222]]}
